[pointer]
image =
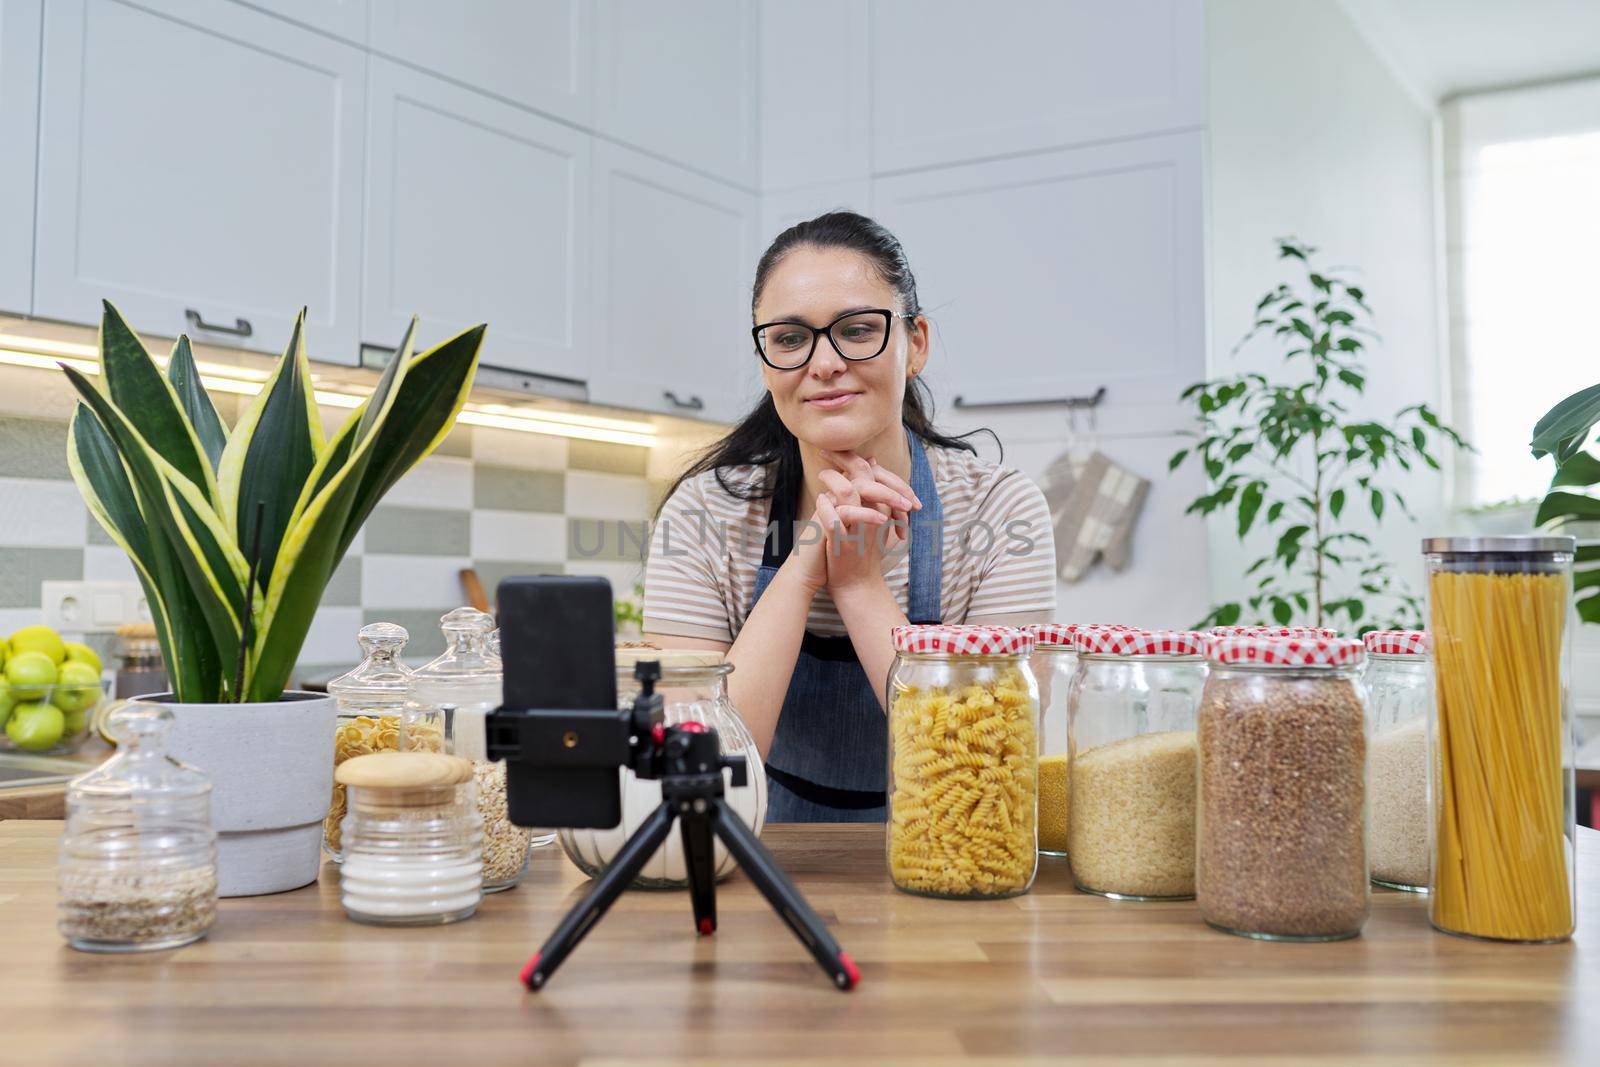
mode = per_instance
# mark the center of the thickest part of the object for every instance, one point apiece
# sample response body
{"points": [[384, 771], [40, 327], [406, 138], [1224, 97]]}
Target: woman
{"points": [[876, 519]]}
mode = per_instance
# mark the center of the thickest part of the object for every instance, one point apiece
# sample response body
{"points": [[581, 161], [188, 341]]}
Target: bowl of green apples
{"points": [[49, 692]]}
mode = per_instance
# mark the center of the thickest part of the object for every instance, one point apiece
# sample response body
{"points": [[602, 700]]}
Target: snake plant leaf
{"points": [[192, 663], [149, 402], [195, 401], [426, 404], [270, 454], [360, 422], [193, 534]]}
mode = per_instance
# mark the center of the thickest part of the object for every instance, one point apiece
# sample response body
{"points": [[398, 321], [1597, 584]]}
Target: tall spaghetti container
{"points": [[1501, 821]]}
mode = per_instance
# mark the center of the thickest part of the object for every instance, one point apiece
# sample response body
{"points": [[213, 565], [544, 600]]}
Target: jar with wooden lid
{"points": [[1133, 705], [693, 688], [1399, 681], [376, 714], [963, 709], [138, 867], [1281, 815], [413, 839]]}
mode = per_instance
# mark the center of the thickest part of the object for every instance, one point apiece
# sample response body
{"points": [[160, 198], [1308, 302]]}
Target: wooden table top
{"points": [[1052, 977]]}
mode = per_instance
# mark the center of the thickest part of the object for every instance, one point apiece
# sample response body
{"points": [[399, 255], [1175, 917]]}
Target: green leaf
{"points": [[149, 402], [1582, 468], [1281, 611], [184, 376], [1564, 428], [1377, 503], [1336, 502], [1239, 451], [1338, 318], [271, 453], [1177, 458], [1249, 504], [1353, 380], [1304, 328], [1227, 614], [1566, 507], [1274, 511]]}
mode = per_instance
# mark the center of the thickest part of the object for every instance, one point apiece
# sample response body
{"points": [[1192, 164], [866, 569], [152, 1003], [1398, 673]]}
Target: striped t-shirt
{"points": [[998, 555]]}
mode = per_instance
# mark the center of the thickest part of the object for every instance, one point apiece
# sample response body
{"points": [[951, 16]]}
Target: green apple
{"points": [[75, 722], [36, 726], [30, 674], [39, 639], [77, 652], [78, 687]]}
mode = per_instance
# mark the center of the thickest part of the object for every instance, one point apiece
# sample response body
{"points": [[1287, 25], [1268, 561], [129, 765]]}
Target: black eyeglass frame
{"points": [[888, 323]]}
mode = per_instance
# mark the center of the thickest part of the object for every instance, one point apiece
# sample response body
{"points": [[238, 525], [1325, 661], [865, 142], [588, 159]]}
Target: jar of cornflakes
{"points": [[374, 716], [963, 708]]}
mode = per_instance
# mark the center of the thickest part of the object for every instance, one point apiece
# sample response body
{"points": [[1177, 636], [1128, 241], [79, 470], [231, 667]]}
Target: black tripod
{"points": [[688, 760]]}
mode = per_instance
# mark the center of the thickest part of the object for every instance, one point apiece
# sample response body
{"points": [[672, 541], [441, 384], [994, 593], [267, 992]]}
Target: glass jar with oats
{"points": [[963, 708], [374, 716], [1281, 812]]}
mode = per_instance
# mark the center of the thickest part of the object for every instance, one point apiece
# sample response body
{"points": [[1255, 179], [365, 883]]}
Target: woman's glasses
{"points": [[856, 336]]}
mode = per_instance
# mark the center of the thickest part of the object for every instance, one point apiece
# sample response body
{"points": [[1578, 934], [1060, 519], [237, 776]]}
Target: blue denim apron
{"points": [[829, 754]]}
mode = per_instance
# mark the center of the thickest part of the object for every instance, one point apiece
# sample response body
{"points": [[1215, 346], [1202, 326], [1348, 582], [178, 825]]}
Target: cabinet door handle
{"points": [[694, 403], [240, 327]]}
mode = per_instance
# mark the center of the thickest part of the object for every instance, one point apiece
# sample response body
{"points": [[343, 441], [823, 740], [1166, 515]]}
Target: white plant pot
{"points": [[271, 768]]}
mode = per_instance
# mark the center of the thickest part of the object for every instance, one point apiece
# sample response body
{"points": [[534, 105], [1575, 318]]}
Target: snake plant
{"points": [[235, 534]]}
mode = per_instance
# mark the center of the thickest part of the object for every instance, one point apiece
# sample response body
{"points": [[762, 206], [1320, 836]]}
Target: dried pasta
{"points": [[964, 787], [361, 736]]}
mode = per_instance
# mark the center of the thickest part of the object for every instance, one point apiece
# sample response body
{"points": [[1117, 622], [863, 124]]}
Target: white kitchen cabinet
{"points": [[532, 52], [1052, 275], [953, 83], [346, 19], [200, 166], [675, 253], [679, 80], [19, 116], [779, 211], [816, 82], [477, 211]]}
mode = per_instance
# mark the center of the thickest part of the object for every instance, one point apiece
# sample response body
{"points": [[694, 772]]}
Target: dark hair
{"points": [[761, 438]]}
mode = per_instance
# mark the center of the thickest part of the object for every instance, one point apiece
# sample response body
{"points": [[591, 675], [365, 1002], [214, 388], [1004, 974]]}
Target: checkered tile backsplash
{"points": [[502, 502]]}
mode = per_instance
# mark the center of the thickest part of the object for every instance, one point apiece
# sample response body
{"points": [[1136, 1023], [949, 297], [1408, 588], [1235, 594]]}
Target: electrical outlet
{"points": [[92, 607]]}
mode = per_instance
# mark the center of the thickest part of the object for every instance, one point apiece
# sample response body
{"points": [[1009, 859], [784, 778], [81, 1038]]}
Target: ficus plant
{"points": [[235, 533], [1286, 454], [1563, 433]]}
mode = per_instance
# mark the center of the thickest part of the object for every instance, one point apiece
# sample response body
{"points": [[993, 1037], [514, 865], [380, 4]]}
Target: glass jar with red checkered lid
{"points": [[1131, 737], [1281, 813], [1399, 681], [963, 710], [1055, 661]]}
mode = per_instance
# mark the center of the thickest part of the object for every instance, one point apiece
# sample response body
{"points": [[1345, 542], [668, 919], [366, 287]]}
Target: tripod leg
{"points": [[699, 857], [581, 919], [781, 893]]}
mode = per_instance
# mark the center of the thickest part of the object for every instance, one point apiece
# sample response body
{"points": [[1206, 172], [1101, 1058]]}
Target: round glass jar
{"points": [[963, 708], [413, 839], [1281, 818], [376, 715], [1399, 683], [138, 867], [464, 682], [1132, 742], [693, 688], [1502, 822]]}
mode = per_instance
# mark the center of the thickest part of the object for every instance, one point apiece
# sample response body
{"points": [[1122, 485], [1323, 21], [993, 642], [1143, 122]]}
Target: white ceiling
{"points": [[1442, 48]]}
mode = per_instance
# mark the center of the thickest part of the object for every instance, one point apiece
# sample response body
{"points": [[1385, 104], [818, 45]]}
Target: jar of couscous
{"points": [[963, 710]]}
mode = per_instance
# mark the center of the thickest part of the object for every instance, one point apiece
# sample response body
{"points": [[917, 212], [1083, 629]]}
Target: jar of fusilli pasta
{"points": [[1133, 705], [963, 711]]}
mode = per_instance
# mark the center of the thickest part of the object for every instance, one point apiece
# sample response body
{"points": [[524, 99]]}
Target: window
{"points": [[1523, 186]]}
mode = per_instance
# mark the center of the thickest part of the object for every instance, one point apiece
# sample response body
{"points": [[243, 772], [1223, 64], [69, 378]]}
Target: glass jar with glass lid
{"points": [[963, 710], [693, 688], [1502, 820], [464, 681], [138, 867], [1399, 681], [1281, 819], [1133, 706], [376, 714]]}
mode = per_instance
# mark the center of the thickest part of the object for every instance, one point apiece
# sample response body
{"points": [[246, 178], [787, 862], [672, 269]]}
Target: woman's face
{"points": [[832, 402]]}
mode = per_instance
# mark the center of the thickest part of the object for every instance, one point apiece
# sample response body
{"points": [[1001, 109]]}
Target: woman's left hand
{"points": [[856, 546]]}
